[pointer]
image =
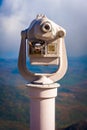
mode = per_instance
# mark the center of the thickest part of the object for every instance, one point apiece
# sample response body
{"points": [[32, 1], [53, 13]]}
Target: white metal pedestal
{"points": [[42, 106]]}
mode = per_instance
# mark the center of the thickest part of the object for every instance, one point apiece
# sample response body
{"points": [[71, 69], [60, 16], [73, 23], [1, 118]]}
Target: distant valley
{"points": [[71, 102]]}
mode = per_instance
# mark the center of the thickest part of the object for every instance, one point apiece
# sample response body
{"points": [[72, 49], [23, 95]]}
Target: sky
{"points": [[16, 15]]}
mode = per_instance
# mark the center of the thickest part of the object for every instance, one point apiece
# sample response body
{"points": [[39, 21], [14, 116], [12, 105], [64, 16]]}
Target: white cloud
{"points": [[17, 15]]}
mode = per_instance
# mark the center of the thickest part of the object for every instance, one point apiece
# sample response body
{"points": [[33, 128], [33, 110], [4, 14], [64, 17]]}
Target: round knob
{"points": [[61, 33]]}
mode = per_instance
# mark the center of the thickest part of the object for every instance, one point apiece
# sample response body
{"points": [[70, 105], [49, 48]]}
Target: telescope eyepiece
{"points": [[46, 27]]}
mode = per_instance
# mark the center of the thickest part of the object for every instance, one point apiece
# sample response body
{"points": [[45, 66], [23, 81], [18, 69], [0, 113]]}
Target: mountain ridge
{"points": [[82, 125]]}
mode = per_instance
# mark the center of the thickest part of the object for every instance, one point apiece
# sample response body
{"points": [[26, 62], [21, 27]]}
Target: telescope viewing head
{"points": [[46, 46]]}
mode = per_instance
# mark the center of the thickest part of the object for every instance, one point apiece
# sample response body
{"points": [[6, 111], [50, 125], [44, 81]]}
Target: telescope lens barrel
{"points": [[46, 27]]}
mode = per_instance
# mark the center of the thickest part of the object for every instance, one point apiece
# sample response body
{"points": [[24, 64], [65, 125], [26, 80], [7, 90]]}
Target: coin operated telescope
{"points": [[46, 46]]}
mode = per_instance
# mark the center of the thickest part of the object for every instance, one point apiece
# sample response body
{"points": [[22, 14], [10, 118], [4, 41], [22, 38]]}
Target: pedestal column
{"points": [[42, 106]]}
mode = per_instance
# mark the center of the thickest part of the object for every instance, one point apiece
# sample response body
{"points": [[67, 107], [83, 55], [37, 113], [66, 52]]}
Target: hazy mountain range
{"points": [[71, 102]]}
